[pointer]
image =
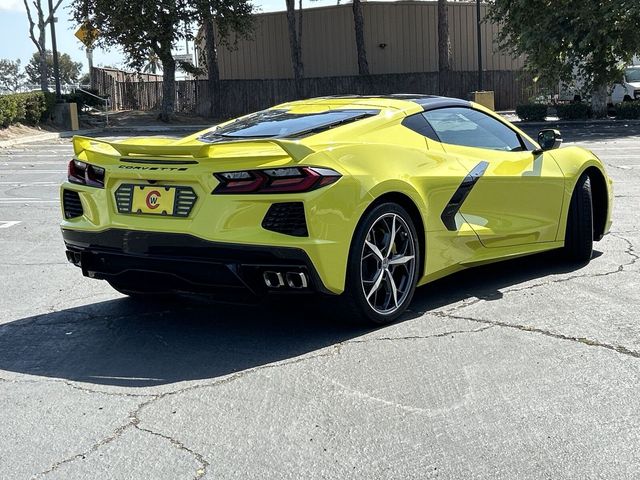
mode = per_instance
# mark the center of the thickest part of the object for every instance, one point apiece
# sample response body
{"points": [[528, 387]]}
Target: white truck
{"points": [[626, 90]]}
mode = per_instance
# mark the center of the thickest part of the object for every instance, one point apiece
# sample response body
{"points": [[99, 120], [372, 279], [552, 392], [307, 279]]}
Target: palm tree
{"points": [[444, 46], [358, 22], [295, 43], [153, 64]]}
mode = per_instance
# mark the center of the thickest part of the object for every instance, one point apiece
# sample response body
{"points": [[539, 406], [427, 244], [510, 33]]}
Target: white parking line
{"points": [[9, 223], [31, 184], [26, 202], [35, 155], [36, 162], [26, 170]]}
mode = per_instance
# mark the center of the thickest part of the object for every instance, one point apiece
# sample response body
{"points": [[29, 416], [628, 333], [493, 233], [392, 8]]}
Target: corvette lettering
{"points": [[162, 169]]}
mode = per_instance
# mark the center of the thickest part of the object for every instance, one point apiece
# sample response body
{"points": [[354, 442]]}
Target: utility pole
{"points": [[479, 42], [54, 47]]}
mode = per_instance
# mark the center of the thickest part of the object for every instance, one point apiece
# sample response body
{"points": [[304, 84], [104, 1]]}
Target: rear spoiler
{"points": [[293, 149]]}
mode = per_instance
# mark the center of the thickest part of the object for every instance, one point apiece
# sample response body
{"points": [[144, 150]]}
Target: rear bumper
{"points": [[184, 262]]}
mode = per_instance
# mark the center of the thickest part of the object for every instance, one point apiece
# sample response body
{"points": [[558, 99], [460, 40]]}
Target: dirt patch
{"points": [[16, 131]]}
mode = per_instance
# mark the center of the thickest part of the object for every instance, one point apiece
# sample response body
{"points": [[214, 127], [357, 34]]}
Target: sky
{"points": [[16, 44]]}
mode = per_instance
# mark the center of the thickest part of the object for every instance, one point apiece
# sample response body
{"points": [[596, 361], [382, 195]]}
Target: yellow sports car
{"points": [[360, 198]]}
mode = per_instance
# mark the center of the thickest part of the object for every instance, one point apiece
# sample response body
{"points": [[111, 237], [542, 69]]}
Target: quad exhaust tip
{"points": [[294, 280]]}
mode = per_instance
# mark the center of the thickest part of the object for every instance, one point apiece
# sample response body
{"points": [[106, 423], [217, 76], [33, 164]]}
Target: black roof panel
{"points": [[427, 102]]}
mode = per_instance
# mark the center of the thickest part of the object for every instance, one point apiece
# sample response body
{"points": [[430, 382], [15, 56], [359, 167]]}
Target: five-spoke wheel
{"points": [[388, 263], [383, 264]]}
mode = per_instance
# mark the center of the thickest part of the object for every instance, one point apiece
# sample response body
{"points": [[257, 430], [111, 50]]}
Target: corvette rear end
{"points": [[216, 218]]}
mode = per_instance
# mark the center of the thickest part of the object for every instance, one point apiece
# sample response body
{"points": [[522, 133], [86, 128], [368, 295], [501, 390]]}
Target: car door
{"points": [[511, 195]]}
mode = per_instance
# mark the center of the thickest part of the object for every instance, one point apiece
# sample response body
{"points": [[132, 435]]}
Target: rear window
{"points": [[283, 124]]}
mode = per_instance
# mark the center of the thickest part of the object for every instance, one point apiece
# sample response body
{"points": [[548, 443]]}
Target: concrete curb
{"points": [[115, 129], [568, 123], [47, 136], [157, 128]]}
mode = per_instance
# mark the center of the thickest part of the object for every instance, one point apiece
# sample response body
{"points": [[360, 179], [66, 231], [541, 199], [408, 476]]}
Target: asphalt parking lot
{"points": [[525, 369]]}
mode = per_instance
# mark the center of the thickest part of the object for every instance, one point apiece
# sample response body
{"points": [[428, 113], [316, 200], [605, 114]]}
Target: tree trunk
{"points": [[213, 72], [444, 48], [599, 98], [294, 45], [358, 22], [168, 85], [42, 40]]}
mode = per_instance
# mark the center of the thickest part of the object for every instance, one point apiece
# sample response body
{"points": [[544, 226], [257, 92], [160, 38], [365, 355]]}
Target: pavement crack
{"points": [[418, 337], [117, 433], [181, 446], [558, 336], [629, 250]]}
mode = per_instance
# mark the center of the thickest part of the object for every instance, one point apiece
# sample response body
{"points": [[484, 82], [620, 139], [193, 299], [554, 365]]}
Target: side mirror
{"points": [[549, 139]]}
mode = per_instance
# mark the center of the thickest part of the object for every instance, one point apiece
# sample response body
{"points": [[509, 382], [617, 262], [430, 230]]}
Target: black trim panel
{"points": [[460, 195], [116, 252]]}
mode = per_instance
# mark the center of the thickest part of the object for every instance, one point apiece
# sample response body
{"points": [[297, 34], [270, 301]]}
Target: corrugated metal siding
{"points": [[409, 30]]}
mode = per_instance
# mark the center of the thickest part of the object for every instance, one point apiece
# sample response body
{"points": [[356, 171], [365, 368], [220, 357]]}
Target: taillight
{"points": [[85, 174], [275, 180]]}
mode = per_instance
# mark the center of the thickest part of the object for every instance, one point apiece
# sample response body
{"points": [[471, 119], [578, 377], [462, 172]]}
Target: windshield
{"points": [[632, 74], [282, 123]]}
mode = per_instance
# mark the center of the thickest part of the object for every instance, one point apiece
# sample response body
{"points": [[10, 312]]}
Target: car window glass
{"points": [[632, 74], [282, 123], [419, 124], [471, 128]]}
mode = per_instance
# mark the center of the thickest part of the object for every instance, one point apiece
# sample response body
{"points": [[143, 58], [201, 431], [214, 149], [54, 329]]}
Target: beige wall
{"points": [[409, 30]]}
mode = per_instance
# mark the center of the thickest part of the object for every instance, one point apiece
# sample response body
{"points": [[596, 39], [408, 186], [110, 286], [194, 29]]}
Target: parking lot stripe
{"points": [[9, 223]]}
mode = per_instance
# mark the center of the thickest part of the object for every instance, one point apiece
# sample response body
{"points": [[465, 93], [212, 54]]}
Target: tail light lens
{"points": [[275, 180], [85, 174]]}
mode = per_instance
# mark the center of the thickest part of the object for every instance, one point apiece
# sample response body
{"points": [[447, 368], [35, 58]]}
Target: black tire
{"points": [[578, 240], [398, 278]]}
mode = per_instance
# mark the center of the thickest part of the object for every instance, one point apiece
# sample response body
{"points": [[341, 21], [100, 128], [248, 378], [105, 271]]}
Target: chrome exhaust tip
{"points": [[273, 279], [296, 280]]}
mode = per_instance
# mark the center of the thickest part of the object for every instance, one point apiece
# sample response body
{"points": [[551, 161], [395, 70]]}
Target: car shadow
{"points": [[487, 281], [126, 343]]}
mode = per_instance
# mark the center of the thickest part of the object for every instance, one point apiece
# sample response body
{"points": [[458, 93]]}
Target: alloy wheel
{"points": [[388, 262]]}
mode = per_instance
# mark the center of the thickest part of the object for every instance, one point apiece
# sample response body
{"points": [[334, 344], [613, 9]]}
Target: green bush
{"points": [[628, 110], [532, 112], [573, 111], [29, 108]]}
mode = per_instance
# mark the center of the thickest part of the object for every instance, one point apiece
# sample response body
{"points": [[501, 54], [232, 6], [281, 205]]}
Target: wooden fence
{"points": [[238, 97]]}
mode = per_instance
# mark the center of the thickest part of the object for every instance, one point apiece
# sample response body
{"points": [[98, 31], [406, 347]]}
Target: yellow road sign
{"points": [[87, 34]]}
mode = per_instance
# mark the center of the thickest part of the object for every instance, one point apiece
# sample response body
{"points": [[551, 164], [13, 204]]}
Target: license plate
{"points": [[176, 201], [153, 199]]}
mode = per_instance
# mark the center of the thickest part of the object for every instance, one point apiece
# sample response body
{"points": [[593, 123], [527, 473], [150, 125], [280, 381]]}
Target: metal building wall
{"points": [[408, 31]]}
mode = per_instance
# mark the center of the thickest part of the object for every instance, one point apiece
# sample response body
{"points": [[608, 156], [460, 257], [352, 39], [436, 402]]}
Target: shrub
{"points": [[532, 112], [573, 111], [628, 110], [26, 108]]}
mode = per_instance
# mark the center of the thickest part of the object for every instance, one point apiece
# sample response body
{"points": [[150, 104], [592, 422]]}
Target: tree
{"points": [[295, 43], [567, 37], [11, 76], [42, 21], [358, 22], [232, 19], [444, 47], [68, 69], [138, 28]]}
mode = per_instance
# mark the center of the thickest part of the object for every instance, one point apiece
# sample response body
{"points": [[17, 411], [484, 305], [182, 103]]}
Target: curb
{"points": [[90, 131], [47, 136], [157, 128], [568, 123]]}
